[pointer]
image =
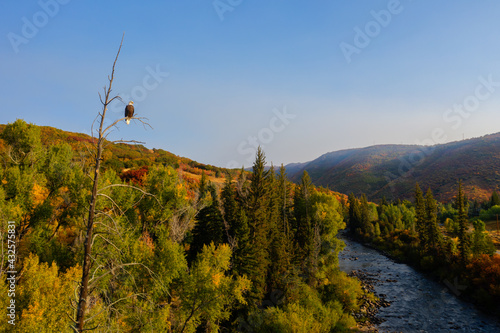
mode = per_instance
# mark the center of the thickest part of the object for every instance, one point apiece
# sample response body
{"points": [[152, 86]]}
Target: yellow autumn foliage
{"points": [[43, 297], [39, 194]]}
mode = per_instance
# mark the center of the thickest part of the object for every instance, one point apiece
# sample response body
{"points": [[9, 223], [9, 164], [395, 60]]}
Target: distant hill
{"points": [[129, 160], [392, 170]]}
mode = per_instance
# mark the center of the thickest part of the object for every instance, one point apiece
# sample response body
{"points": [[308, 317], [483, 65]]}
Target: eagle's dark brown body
{"points": [[129, 111]]}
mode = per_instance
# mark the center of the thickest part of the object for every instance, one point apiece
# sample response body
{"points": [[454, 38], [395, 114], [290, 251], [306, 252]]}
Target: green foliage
{"points": [[58, 168], [420, 220], [354, 213], [209, 225], [481, 241], [344, 289], [494, 199], [257, 203], [463, 224], [451, 226], [44, 297], [328, 221], [167, 199], [434, 236], [207, 293], [490, 214], [304, 312], [168, 262], [24, 142], [304, 225]]}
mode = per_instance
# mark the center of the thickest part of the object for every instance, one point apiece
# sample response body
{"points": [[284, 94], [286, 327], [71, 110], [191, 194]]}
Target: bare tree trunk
{"points": [[88, 239], [82, 301]]}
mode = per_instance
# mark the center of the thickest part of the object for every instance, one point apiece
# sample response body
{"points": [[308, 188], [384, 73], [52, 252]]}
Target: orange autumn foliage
{"points": [[39, 194], [135, 176], [485, 273]]}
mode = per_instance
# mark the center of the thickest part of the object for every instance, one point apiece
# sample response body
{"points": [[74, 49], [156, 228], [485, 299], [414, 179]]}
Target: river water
{"points": [[418, 304]]}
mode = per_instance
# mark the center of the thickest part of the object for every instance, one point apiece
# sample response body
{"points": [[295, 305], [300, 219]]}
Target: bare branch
{"points": [[115, 229], [125, 118], [128, 141], [132, 187], [100, 98], [143, 122], [112, 201], [116, 97], [107, 240], [112, 270]]}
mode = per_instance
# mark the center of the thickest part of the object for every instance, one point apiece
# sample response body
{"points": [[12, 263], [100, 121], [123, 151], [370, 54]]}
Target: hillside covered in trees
{"points": [[253, 252], [392, 170]]}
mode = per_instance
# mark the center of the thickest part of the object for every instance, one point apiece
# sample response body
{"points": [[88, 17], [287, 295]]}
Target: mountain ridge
{"points": [[391, 170]]}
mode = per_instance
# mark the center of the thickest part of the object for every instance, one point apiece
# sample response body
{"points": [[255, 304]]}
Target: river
{"points": [[418, 304]]}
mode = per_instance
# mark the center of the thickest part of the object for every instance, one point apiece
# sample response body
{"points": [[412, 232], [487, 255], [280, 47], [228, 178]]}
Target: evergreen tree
{"points": [[279, 251], [433, 234], [307, 230], [209, 227], [420, 218], [494, 199], [302, 211], [242, 189], [245, 255], [463, 223], [366, 225], [354, 214], [258, 203], [285, 204], [203, 187], [230, 210], [381, 206]]}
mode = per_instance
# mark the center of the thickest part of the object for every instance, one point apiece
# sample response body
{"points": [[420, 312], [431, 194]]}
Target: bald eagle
{"points": [[129, 111]]}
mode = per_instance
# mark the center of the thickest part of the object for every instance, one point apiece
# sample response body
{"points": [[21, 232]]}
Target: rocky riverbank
{"points": [[366, 316]]}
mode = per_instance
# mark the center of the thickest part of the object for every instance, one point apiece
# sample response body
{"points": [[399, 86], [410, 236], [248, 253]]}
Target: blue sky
{"points": [[216, 78]]}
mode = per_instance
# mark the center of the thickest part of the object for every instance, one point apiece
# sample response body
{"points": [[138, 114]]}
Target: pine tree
{"points": [[381, 207], [285, 204], [366, 225], [279, 250], [420, 217], [203, 187], [433, 234], [354, 214], [229, 210], [258, 200], [302, 208], [209, 226], [495, 199], [245, 256], [463, 238], [307, 232]]}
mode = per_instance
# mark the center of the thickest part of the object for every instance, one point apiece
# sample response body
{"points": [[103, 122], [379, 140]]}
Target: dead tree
{"points": [[99, 146]]}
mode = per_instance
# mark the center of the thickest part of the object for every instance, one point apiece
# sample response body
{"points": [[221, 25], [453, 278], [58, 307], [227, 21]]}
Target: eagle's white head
{"points": [[130, 103]]}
